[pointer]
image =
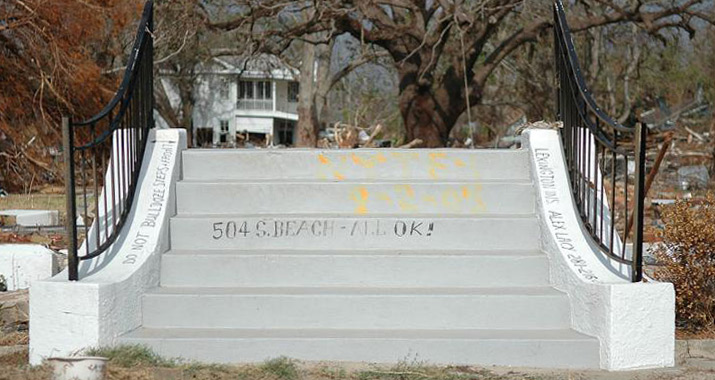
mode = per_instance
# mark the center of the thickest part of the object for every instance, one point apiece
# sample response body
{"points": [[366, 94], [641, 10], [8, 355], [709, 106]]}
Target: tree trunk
{"points": [[422, 119], [186, 87], [308, 125]]}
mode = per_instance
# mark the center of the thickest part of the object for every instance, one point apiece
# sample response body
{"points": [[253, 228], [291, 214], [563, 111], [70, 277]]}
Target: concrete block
{"points": [[701, 348], [33, 218], [20, 264]]}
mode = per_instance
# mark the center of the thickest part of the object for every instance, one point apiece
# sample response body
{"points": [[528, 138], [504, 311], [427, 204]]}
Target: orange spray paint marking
{"points": [[434, 165], [323, 160], [406, 195], [360, 196], [459, 163], [338, 176]]}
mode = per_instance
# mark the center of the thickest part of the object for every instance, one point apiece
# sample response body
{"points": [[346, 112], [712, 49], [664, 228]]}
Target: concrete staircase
{"points": [[364, 255]]}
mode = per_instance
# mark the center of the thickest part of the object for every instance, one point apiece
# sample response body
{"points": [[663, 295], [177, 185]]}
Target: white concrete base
{"points": [[68, 317], [455, 320], [21, 264], [635, 322], [33, 218]]}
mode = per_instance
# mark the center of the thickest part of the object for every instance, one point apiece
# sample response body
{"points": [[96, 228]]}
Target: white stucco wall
{"points": [[634, 322], [68, 317]]}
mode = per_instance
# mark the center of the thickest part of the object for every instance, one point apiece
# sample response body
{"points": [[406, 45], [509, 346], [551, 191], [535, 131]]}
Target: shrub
{"points": [[282, 368], [687, 256]]}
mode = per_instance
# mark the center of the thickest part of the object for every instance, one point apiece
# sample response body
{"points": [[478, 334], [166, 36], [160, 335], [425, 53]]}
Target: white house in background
{"points": [[258, 95]]}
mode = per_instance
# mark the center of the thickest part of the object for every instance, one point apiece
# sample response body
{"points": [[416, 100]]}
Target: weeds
{"points": [[131, 356], [282, 368], [687, 257]]}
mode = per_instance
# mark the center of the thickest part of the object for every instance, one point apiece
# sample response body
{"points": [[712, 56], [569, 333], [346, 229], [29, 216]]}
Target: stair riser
{"points": [[357, 311], [523, 353], [350, 198], [225, 270], [249, 233], [466, 165]]}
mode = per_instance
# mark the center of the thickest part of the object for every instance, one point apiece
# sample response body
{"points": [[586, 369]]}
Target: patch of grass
{"points": [[282, 368], [33, 201], [331, 372], [416, 370], [131, 356]]}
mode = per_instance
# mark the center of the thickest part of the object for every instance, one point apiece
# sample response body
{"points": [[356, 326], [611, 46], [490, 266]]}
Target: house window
{"points": [[223, 134], [245, 89], [293, 90], [263, 90]]}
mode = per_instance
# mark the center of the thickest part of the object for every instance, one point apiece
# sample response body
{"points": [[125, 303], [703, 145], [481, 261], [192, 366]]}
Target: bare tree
{"points": [[444, 51]]}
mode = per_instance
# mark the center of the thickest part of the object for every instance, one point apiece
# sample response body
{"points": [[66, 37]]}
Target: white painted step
{"points": [[350, 197], [487, 232], [357, 308], [561, 348], [354, 268], [356, 164]]}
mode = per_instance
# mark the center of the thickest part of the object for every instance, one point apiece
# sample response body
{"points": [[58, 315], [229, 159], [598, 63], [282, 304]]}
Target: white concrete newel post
{"points": [[634, 322], [68, 317]]}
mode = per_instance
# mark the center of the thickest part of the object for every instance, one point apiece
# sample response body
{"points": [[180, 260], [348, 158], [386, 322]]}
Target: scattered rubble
{"points": [[693, 177], [14, 311]]}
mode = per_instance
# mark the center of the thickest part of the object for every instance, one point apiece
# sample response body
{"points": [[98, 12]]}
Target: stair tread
{"points": [[200, 151], [305, 181], [440, 216], [357, 252], [232, 333], [358, 291]]}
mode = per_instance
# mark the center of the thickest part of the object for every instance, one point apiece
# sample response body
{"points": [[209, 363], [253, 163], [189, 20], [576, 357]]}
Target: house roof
{"points": [[261, 66]]}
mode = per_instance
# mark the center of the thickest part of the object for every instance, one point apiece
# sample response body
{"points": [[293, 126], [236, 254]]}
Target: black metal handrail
{"points": [[598, 151], [105, 153]]}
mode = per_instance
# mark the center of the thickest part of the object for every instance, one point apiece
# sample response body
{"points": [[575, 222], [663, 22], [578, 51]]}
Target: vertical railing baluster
{"points": [[83, 160], [625, 208], [104, 197], [71, 205], [639, 195], [94, 151]]}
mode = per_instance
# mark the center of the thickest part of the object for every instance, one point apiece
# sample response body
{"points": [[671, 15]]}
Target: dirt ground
{"points": [[139, 365]]}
